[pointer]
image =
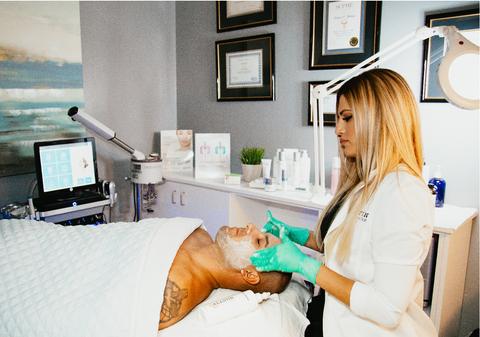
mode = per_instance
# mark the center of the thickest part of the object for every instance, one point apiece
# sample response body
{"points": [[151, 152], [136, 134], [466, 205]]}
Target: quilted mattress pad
{"points": [[103, 280]]}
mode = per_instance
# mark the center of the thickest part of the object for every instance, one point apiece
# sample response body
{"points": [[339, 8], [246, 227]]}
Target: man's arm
{"points": [[173, 298]]}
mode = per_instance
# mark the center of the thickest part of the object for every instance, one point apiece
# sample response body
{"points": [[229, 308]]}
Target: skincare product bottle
{"points": [[289, 159], [275, 164], [296, 169], [284, 180], [425, 172], [335, 175], [266, 164], [270, 185], [282, 168], [31, 209], [441, 185], [231, 307], [305, 169]]}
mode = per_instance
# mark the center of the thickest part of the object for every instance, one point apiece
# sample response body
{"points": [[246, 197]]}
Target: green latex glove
{"points": [[286, 257], [296, 234]]}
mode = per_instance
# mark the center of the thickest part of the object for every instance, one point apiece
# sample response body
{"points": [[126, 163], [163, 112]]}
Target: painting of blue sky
{"points": [[40, 78]]}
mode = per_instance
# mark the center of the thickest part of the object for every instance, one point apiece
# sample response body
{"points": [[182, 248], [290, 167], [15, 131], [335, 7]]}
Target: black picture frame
{"points": [[329, 108], [249, 63], [367, 43], [253, 17], [434, 48]]}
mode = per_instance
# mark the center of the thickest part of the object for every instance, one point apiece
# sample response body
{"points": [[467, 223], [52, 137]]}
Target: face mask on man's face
{"points": [[237, 254]]}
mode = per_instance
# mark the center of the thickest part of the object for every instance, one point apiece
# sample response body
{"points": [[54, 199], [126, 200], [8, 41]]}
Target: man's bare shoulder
{"points": [[185, 287], [198, 237]]}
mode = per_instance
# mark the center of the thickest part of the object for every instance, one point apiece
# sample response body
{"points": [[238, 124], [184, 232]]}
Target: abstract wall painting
{"points": [[40, 78]]}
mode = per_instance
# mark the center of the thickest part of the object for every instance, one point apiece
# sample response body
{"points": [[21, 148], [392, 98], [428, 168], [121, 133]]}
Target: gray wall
{"points": [[128, 51], [450, 134], [150, 66], [129, 75]]}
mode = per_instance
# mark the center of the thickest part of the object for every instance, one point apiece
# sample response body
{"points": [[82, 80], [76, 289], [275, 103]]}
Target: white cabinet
{"points": [[183, 200], [453, 225]]}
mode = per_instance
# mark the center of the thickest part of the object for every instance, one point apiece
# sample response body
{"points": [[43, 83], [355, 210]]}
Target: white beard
{"points": [[237, 254]]}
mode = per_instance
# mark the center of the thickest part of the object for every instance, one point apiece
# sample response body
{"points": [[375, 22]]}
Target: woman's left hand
{"points": [[286, 257]]}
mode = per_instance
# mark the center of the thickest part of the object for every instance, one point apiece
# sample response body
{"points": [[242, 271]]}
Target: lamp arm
{"points": [[420, 34], [79, 115], [323, 90]]}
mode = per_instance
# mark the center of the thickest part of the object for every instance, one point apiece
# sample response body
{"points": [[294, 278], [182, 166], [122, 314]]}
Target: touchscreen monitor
{"points": [[65, 167]]}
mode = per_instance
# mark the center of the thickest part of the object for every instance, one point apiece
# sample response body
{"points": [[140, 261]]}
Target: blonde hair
{"points": [[388, 133]]}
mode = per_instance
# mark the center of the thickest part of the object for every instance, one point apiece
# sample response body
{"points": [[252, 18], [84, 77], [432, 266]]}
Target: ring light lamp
{"points": [[460, 62]]}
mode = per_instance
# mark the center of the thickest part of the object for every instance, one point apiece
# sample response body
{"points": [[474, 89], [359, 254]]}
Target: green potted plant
{"points": [[252, 162]]}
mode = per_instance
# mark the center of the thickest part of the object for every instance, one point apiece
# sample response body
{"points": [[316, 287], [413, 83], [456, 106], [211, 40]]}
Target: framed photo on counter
{"points": [[435, 48], [233, 15], [246, 68], [343, 33]]}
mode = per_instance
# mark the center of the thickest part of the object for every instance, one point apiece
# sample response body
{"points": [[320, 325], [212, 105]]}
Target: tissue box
{"points": [[232, 179]]}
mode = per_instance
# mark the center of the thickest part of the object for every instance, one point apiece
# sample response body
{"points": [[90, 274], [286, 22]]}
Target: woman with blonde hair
{"points": [[376, 231]]}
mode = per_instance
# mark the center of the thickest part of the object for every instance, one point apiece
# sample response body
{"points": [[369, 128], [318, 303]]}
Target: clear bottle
{"points": [[231, 307], [282, 169], [305, 169], [335, 175], [296, 169], [441, 185], [275, 164]]}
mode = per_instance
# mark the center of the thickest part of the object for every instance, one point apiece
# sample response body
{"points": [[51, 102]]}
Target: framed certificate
{"points": [[343, 33], [435, 48], [246, 68], [329, 105], [233, 15]]}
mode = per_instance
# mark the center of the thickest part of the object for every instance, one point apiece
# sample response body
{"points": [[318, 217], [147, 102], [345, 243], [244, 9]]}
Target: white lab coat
{"points": [[390, 243]]}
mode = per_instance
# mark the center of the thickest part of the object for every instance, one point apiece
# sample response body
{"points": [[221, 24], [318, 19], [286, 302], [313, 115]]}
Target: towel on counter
{"points": [[105, 280]]}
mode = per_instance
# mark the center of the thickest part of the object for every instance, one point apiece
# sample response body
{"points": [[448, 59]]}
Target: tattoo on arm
{"points": [[172, 301]]}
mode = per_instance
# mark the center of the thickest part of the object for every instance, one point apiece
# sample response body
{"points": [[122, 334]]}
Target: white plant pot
{"points": [[251, 172]]}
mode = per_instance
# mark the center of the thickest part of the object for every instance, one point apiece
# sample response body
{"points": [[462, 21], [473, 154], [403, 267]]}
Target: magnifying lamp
{"points": [[146, 171], [460, 62]]}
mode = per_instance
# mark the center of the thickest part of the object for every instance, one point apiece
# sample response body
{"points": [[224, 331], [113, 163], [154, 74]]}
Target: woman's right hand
{"points": [[296, 234]]}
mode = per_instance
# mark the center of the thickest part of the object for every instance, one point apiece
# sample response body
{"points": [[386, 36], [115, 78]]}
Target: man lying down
{"points": [[202, 265], [120, 279]]}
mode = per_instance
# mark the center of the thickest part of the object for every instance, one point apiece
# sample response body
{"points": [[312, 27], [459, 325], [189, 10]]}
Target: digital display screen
{"points": [[65, 166]]}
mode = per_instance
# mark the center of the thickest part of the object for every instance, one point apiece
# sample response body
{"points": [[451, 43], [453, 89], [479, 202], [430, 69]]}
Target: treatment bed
{"points": [[108, 280]]}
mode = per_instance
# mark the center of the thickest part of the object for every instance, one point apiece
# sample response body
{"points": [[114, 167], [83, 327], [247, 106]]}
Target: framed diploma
{"points": [[435, 48], [233, 15], [329, 105], [246, 68], [343, 33]]}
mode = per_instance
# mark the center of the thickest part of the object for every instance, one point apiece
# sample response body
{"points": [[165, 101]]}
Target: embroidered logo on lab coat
{"points": [[363, 216]]}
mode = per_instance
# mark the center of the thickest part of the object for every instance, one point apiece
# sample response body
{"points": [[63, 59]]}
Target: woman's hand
{"points": [[286, 257], [296, 234]]}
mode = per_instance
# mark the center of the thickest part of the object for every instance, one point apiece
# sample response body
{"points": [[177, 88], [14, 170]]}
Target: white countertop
{"points": [[301, 199], [447, 218]]}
